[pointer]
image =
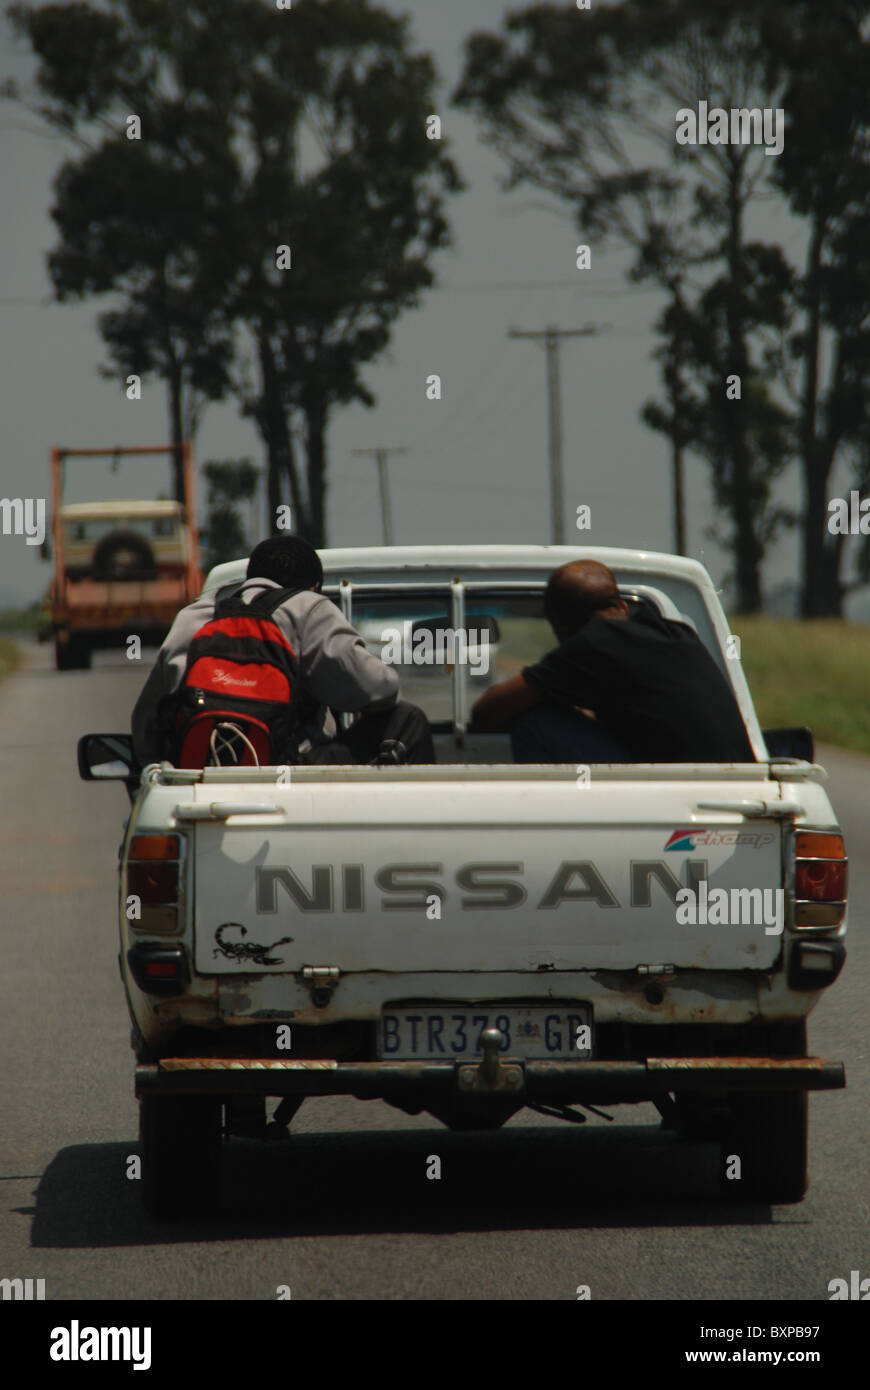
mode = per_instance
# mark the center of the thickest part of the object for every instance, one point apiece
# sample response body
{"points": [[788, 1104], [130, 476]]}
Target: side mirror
{"points": [[790, 743], [107, 757]]}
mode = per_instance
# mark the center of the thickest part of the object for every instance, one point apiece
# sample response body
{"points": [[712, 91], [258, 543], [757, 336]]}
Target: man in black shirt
{"points": [[618, 688]]}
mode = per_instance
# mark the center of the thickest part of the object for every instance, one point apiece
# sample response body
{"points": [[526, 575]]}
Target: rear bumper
{"points": [[565, 1081]]}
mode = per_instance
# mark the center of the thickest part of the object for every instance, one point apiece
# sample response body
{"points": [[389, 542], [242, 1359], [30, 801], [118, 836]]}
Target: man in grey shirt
{"points": [[336, 672]]}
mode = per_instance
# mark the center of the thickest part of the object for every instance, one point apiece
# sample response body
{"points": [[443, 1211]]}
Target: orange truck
{"points": [[121, 568]]}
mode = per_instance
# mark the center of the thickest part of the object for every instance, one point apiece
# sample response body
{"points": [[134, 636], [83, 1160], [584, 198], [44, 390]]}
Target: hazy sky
{"points": [[477, 466]]}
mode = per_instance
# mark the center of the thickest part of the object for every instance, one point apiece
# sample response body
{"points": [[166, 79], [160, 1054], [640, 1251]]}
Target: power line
{"points": [[471, 396], [445, 439]]}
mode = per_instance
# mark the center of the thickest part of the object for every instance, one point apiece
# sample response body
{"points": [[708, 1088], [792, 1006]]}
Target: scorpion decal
{"points": [[241, 951]]}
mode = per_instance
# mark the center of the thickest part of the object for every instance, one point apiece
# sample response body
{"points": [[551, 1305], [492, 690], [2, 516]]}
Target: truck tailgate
{"points": [[517, 875]]}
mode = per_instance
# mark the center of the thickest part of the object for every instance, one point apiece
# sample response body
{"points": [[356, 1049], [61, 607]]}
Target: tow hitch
{"points": [[491, 1074]]}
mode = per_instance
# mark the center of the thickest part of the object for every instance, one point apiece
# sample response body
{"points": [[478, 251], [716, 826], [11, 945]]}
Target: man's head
{"points": [[577, 592], [289, 561]]}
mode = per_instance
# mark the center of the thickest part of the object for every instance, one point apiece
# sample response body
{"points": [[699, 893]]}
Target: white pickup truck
{"points": [[475, 936]]}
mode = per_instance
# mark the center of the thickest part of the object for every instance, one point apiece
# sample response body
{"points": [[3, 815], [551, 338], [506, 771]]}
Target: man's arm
{"points": [[337, 668], [494, 711]]}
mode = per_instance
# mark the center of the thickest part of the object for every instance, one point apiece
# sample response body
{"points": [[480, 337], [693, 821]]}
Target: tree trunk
{"points": [[679, 510], [820, 597], [821, 592], [273, 487], [175, 387], [825, 597], [176, 425], [315, 445], [832, 589], [675, 385], [272, 420], [746, 544]]}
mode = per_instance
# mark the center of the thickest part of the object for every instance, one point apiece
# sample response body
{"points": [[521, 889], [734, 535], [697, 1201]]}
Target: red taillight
{"points": [[158, 969], [821, 878], [153, 875], [162, 969], [153, 883], [155, 847]]}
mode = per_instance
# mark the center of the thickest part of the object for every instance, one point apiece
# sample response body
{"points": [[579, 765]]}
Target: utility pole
{"points": [[551, 336], [381, 456]]}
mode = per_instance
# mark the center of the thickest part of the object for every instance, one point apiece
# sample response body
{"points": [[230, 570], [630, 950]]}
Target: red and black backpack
{"points": [[237, 702]]}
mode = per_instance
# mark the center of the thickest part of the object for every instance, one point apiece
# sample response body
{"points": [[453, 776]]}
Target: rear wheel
{"points": [[180, 1146], [764, 1149], [74, 655]]}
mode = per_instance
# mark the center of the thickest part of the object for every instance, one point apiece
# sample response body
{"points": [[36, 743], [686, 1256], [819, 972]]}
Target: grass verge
{"points": [[815, 673], [10, 656]]}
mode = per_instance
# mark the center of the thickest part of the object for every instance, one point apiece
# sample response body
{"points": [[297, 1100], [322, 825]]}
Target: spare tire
{"points": [[123, 555]]}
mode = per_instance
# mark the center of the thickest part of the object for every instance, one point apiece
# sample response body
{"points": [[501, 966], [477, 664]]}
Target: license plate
{"points": [[440, 1033]]}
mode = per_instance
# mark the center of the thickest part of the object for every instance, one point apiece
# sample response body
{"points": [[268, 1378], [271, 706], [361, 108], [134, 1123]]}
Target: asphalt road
{"points": [[345, 1210]]}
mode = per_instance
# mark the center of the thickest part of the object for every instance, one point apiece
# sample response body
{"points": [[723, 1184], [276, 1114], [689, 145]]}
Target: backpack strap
{"points": [[264, 604], [267, 602]]}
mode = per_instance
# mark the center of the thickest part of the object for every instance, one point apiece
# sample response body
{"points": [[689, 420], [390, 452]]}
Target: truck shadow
{"points": [[376, 1182]]}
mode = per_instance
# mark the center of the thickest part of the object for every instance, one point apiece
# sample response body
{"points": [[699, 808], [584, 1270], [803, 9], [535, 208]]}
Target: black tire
{"points": [[123, 555], [74, 655], [180, 1147], [768, 1133]]}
